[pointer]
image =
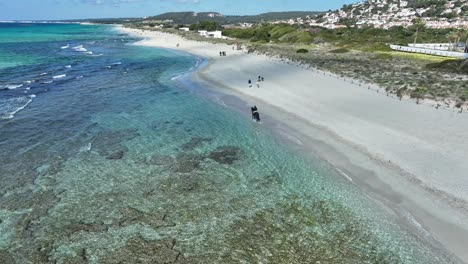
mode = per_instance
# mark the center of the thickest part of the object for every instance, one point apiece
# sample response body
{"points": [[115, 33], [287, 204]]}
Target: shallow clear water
{"points": [[119, 161]]}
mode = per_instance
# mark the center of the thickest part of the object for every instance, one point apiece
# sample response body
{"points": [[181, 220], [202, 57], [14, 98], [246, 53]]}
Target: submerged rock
{"points": [[226, 155], [186, 163], [139, 250], [81, 226], [268, 181], [80, 258], [108, 143], [6, 257], [160, 160], [154, 219], [194, 143], [116, 155], [190, 182]]}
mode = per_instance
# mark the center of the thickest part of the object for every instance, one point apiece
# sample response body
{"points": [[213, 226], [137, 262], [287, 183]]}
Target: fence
{"points": [[451, 54]]}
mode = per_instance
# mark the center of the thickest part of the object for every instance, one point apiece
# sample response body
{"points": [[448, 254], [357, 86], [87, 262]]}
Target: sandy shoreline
{"points": [[410, 157]]}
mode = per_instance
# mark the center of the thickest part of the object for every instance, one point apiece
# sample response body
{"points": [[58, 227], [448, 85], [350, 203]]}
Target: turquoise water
{"points": [[120, 162]]}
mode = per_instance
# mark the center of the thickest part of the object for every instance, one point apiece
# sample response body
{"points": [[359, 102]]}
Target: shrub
{"points": [[341, 50], [302, 51], [454, 66], [383, 56], [378, 47], [418, 93]]}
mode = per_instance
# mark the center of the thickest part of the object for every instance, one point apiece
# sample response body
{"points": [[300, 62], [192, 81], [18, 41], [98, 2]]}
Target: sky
{"points": [[76, 9]]}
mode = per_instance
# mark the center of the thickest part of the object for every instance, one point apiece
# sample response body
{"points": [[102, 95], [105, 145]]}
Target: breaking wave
{"points": [[9, 107]]}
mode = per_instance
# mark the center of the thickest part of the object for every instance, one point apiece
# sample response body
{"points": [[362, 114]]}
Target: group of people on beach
{"points": [[222, 53], [260, 79]]}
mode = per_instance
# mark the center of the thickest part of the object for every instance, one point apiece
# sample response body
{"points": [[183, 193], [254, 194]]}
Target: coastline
{"points": [[384, 146]]}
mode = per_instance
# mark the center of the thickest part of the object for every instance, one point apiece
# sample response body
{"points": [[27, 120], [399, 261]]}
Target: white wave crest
{"points": [[80, 48], [59, 76], [68, 66], [66, 47], [13, 86], [9, 107]]}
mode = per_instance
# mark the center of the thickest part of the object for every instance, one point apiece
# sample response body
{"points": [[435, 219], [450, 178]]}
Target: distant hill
{"points": [[121, 20], [193, 17]]}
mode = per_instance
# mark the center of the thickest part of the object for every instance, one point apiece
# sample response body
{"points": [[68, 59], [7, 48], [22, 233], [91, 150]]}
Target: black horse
{"points": [[255, 114]]}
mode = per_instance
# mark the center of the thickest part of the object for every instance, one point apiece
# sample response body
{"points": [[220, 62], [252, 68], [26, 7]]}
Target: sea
{"points": [[109, 155]]}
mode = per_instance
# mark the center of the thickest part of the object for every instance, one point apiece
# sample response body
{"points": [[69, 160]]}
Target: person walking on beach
{"points": [[258, 84], [250, 83]]}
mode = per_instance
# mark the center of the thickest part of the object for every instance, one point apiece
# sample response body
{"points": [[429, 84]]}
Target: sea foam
{"points": [[80, 48], [9, 107], [13, 86], [59, 76]]}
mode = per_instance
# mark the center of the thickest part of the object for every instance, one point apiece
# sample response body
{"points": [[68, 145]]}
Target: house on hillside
{"points": [[186, 29], [203, 33], [214, 34]]}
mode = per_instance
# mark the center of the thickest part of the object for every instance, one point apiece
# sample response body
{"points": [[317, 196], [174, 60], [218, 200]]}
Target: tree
{"points": [[419, 25]]}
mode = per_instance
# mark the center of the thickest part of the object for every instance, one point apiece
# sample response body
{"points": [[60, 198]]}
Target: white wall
{"points": [[451, 54]]}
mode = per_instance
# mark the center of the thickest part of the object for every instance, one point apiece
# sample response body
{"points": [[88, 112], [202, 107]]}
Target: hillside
{"points": [[389, 13], [192, 17]]}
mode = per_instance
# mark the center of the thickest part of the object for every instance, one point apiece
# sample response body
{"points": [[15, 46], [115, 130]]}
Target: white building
{"points": [[214, 34], [203, 33], [186, 29]]}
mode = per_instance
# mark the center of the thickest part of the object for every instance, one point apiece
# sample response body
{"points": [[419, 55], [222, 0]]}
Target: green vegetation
{"points": [[426, 3], [190, 18], [205, 25], [364, 39], [302, 51], [281, 33], [457, 66], [340, 50], [383, 56], [415, 56]]}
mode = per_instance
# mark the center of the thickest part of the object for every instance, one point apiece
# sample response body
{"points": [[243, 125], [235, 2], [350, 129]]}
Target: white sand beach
{"points": [[413, 158]]}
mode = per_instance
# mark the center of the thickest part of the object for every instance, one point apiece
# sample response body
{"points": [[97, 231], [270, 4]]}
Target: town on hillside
{"points": [[390, 13]]}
